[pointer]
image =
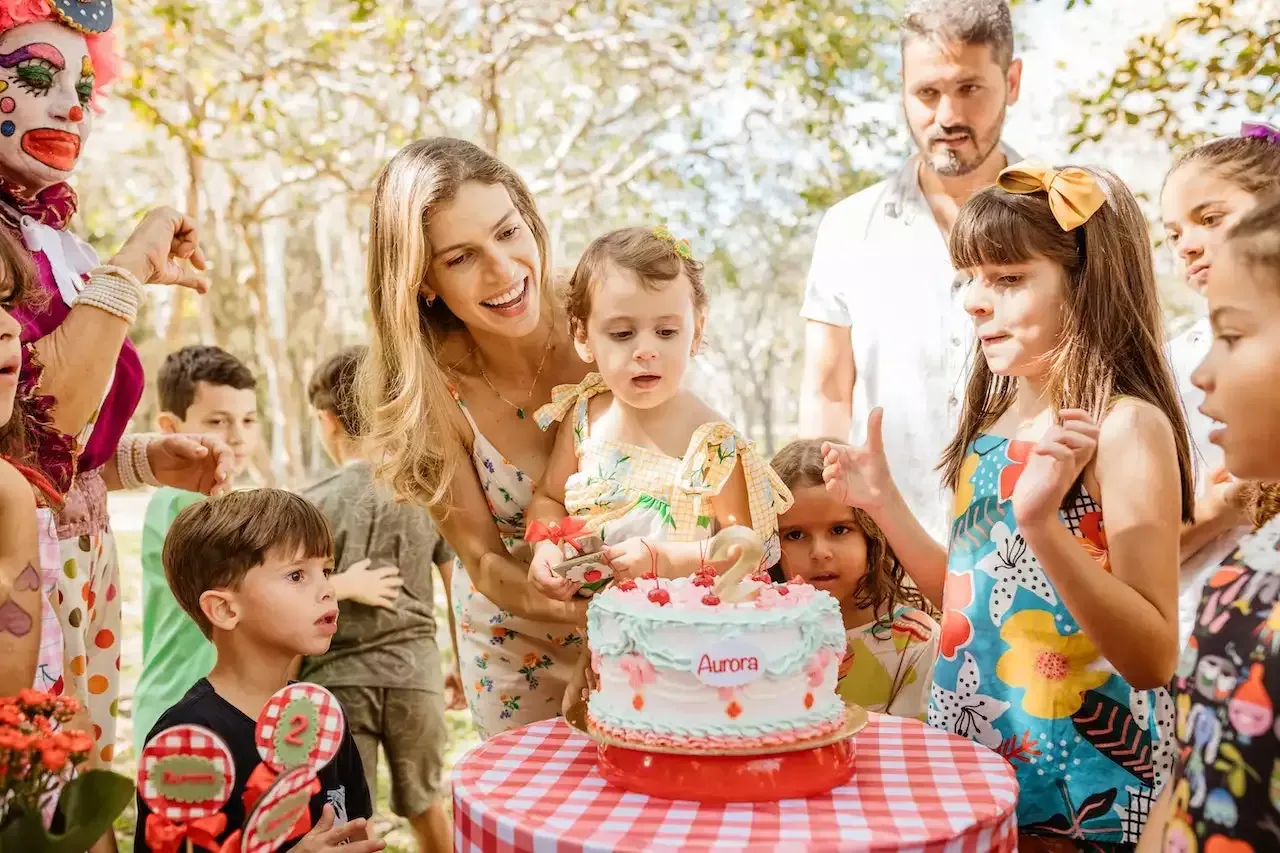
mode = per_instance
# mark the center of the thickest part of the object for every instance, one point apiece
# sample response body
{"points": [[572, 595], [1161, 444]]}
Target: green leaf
{"points": [[90, 803]]}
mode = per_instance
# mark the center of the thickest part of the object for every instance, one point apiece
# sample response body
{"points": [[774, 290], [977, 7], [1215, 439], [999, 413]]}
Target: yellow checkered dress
{"points": [[624, 491]]}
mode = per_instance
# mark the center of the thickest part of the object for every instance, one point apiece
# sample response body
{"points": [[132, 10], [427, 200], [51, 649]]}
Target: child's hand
{"points": [[545, 581], [1054, 464], [1223, 498], [455, 696], [859, 476], [375, 587], [351, 837], [631, 558]]}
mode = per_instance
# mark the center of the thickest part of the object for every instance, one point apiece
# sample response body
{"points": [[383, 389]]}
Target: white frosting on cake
{"points": [[680, 671]]}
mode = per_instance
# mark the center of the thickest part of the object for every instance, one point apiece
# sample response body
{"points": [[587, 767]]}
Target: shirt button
{"points": [[955, 342], [952, 401]]}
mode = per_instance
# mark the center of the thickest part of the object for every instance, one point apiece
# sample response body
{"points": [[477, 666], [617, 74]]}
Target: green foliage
{"points": [[89, 803]]}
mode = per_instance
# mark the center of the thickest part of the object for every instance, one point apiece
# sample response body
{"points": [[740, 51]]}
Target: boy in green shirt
{"points": [[203, 389]]}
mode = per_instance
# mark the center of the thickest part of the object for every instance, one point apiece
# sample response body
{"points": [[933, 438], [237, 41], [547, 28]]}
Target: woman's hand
{"points": [[544, 580], [194, 463], [581, 683], [1054, 465], [455, 695], [157, 248], [859, 476]]}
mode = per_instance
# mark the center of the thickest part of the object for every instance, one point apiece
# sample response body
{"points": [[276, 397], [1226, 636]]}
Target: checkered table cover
{"points": [[329, 737], [185, 740], [914, 788]]}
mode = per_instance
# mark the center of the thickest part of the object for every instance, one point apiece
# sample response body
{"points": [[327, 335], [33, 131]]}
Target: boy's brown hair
{"points": [[333, 388], [213, 544], [184, 369], [651, 254], [799, 466]]}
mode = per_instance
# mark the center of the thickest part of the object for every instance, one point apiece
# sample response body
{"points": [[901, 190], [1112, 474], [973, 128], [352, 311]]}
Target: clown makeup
{"points": [[46, 83]]}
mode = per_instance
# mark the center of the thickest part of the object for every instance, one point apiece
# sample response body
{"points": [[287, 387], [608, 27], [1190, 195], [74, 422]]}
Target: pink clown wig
{"points": [[102, 48]]}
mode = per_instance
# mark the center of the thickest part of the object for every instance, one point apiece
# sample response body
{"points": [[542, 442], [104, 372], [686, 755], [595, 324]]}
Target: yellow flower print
{"points": [[1052, 668], [964, 485]]}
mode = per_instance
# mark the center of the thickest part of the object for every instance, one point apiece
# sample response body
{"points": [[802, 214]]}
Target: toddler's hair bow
{"points": [[1074, 194]]}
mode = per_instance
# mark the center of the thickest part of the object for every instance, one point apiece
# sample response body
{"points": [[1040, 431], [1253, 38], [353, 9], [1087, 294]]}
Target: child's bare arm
{"points": [[20, 583], [547, 507], [1136, 468]]}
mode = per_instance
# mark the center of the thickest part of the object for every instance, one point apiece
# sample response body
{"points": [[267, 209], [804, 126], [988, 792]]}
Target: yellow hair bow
{"points": [[1074, 194]]}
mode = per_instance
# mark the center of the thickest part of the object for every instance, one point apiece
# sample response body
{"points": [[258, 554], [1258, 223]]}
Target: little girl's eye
{"points": [[839, 530], [620, 336], [454, 261], [1211, 219], [668, 333], [296, 576], [793, 535], [509, 233], [1008, 280], [328, 571]]}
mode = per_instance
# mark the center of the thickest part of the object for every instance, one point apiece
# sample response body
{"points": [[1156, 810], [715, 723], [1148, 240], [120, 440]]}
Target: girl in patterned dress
{"points": [[645, 464], [1059, 631]]}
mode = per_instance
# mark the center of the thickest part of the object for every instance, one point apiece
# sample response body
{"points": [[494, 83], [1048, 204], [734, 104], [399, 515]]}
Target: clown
{"points": [[81, 378]]}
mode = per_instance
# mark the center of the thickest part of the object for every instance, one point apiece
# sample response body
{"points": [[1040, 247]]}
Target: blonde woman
{"points": [[468, 342]]}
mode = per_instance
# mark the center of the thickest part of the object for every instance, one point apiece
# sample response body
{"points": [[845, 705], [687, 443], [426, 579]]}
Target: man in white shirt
{"points": [[886, 324]]}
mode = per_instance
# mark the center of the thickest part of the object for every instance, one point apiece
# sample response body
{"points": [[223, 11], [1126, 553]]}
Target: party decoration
{"points": [[185, 776], [301, 725], [283, 813], [91, 17]]}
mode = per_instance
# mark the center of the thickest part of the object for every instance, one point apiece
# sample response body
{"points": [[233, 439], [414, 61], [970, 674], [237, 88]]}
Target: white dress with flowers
{"points": [[623, 491]]}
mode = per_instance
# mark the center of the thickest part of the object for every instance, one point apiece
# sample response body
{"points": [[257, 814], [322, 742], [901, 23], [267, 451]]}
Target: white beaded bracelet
{"points": [[124, 463], [114, 290], [142, 464]]}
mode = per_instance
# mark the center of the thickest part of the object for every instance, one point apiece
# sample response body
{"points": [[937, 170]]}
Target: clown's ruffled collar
{"points": [[53, 206]]}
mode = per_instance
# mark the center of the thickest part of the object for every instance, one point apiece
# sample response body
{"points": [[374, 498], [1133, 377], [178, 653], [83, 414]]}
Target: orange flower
{"points": [[531, 660]]}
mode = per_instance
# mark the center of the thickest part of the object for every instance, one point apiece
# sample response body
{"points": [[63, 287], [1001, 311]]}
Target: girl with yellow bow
{"points": [[1058, 632]]}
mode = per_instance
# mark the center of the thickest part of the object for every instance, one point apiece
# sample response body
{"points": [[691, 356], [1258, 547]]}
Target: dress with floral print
{"points": [[1226, 788], [623, 491], [888, 664], [515, 670], [1016, 674]]}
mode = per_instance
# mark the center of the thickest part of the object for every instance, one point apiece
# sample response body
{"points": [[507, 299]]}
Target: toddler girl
{"points": [[892, 640], [641, 462], [1056, 628]]}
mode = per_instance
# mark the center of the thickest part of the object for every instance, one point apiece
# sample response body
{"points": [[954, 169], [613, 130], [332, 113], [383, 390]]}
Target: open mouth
{"points": [[824, 577], [328, 622], [9, 369], [645, 381], [511, 300]]}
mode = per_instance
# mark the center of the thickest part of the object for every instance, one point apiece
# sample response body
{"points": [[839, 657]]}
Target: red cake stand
{"points": [[795, 771]]}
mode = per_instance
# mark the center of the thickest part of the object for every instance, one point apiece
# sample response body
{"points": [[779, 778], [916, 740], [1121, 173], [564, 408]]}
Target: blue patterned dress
{"points": [[1016, 674]]}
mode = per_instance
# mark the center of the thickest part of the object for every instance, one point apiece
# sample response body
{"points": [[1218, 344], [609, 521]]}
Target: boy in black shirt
{"points": [[252, 569]]}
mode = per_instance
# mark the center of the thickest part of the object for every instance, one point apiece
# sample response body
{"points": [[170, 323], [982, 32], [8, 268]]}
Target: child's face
{"points": [[229, 413], [1238, 376], [10, 361], [287, 604], [641, 339], [1199, 208], [1017, 314], [822, 542]]}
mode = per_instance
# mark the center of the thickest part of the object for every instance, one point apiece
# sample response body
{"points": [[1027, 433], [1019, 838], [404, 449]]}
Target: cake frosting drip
{"points": [[676, 670]]}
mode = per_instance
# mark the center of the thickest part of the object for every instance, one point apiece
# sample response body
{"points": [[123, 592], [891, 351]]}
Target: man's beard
{"points": [[951, 163]]}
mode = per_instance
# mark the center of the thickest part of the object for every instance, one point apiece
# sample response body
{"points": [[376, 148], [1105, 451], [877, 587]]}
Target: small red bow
{"points": [[165, 836], [568, 530], [262, 778]]}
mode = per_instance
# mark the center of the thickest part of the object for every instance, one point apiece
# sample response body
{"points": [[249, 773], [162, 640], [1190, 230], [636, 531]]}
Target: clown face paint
{"points": [[46, 82]]}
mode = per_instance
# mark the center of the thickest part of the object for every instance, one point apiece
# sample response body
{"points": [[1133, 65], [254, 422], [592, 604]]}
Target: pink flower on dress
{"points": [[1018, 452], [957, 630]]}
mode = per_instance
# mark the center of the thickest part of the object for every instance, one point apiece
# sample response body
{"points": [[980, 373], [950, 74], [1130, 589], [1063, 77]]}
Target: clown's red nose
{"points": [[75, 114]]}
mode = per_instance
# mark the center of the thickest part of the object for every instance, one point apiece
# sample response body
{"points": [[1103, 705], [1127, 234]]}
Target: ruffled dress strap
{"points": [[565, 398], [714, 451]]}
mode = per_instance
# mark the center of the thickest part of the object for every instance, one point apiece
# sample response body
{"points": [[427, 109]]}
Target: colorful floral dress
{"points": [[1226, 789], [515, 670], [888, 664], [1016, 674], [623, 491]]}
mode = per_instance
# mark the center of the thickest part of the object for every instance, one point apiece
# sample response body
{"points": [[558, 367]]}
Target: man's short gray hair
{"points": [[966, 21]]}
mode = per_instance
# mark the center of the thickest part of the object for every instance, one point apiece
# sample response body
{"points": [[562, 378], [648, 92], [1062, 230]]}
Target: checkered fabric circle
{"points": [[264, 832], [185, 740], [914, 788], [329, 735]]}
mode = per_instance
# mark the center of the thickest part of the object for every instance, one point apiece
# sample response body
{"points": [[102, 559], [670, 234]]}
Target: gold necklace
{"points": [[520, 412]]}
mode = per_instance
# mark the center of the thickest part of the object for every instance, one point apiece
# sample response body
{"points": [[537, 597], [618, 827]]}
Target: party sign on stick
{"points": [[300, 726], [283, 813], [185, 776]]}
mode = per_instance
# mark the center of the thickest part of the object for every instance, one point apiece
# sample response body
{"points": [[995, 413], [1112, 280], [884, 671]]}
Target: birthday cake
{"points": [[678, 666]]}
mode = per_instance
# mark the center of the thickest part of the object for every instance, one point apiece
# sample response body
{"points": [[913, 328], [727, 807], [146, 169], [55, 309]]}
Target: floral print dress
{"points": [[888, 664], [515, 670], [1016, 674], [623, 491], [1226, 789]]}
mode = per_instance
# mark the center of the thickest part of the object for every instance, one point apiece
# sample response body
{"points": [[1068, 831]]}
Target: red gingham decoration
{"points": [[185, 740], [915, 788], [289, 783], [331, 722]]}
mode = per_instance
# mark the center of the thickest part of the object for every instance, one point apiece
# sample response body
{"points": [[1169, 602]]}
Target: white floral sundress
{"points": [[515, 670], [624, 491]]}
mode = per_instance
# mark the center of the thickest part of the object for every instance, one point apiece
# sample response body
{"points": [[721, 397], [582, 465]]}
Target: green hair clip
{"points": [[682, 247]]}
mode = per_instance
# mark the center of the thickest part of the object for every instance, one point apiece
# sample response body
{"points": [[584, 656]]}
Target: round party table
{"points": [[914, 788]]}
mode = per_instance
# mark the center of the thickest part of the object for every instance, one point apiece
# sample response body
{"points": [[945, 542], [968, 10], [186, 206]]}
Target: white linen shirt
{"points": [[882, 268]]}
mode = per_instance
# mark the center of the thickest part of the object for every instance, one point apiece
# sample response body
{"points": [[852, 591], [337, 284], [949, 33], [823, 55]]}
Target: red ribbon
{"points": [[232, 844], [165, 836], [260, 780], [568, 530]]}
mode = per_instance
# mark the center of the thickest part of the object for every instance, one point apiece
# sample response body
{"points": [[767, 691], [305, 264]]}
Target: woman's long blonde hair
{"points": [[1112, 328], [405, 394]]}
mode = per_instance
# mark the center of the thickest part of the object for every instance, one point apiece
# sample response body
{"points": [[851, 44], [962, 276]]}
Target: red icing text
{"points": [[709, 664]]}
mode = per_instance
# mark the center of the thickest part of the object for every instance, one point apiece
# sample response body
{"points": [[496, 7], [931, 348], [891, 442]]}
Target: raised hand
{"points": [[158, 248], [1053, 466], [859, 476]]}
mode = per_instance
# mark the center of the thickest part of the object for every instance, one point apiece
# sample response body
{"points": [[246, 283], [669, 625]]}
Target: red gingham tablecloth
{"points": [[914, 788]]}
